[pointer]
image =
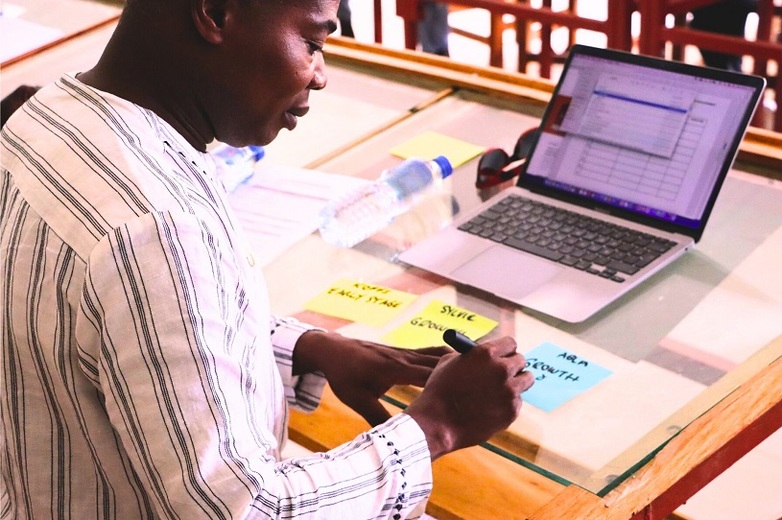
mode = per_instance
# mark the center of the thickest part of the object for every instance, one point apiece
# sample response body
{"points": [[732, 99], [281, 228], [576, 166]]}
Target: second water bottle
{"points": [[357, 215]]}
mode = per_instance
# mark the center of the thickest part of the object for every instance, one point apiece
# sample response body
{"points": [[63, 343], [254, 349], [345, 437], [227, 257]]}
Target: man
{"points": [[433, 28], [729, 18], [142, 374], [345, 19]]}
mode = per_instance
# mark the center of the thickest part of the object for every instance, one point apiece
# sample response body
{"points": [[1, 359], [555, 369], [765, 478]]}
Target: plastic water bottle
{"points": [[349, 219], [235, 166]]}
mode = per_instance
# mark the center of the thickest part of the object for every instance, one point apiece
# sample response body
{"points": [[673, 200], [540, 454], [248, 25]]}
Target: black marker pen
{"points": [[458, 341]]}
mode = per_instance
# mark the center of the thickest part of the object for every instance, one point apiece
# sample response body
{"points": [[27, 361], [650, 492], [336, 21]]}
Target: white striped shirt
{"points": [[140, 371]]}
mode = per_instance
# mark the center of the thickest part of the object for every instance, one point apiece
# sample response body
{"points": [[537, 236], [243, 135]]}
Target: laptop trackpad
{"points": [[505, 272]]}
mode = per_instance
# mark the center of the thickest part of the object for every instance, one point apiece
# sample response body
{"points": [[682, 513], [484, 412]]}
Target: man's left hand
{"points": [[360, 372]]}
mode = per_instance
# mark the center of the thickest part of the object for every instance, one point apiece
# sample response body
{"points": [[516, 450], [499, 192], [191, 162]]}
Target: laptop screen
{"points": [[641, 137]]}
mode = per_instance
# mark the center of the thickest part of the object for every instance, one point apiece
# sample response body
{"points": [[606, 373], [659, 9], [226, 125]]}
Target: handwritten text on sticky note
{"points": [[559, 376], [361, 302], [426, 328]]}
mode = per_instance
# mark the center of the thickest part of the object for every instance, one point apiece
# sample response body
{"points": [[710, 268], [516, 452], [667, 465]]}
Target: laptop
{"points": [[620, 180]]}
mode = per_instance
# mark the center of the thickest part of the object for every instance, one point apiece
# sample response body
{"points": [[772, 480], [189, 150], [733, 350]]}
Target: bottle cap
{"points": [[444, 164], [257, 152]]}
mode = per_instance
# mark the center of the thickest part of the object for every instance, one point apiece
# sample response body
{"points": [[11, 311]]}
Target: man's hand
{"points": [[471, 396], [360, 372]]}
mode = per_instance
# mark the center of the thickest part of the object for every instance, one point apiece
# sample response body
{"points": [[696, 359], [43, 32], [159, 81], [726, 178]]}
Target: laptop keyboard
{"points": [[607, 250]]}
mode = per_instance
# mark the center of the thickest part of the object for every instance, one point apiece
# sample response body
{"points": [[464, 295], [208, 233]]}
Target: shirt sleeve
{"points": [[302, 392], [192, 387], [393, 455]]}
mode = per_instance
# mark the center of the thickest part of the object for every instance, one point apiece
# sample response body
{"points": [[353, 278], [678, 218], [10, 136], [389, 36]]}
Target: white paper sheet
{"points": [[18, 36], [279, 205]]}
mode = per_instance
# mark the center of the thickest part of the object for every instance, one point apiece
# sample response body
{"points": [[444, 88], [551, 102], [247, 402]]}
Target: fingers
{"points": [[363, 401], [418, 375], [527, 379], [412, 367], [433, 353], [427, 357], [413, 375], [502, 347], [514, 362], [505, 350], [372, 411]]}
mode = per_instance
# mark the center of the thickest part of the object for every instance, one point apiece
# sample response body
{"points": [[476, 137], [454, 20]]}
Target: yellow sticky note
{"points": [[426, 328], [431, 144], [361, 302]]}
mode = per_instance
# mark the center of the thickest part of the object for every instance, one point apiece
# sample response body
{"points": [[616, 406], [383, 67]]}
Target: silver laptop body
{"points": [[629, 140]]}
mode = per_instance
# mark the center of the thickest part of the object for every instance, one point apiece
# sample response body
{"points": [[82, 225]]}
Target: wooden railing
{"points": [[654, 33]]}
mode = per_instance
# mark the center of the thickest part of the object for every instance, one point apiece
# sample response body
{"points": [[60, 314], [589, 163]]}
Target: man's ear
{"points": [[209, 18]]}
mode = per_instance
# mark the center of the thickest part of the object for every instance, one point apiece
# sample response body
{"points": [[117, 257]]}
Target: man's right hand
{"points": [[470, 397]]}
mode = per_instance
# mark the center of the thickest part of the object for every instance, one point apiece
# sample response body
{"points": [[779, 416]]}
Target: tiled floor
{"points": [[752, 488]]}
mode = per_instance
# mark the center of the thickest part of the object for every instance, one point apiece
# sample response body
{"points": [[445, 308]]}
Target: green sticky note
{"points": [[360, 302], [431, 144], [426, 328]]}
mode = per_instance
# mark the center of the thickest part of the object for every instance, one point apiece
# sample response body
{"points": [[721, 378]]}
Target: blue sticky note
{"points": [[559, 376]]}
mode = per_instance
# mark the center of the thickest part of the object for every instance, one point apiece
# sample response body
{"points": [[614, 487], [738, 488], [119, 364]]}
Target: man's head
{"points": [[235, 70]]}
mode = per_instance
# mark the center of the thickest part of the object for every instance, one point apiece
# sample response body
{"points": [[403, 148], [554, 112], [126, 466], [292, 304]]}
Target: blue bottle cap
{"points": [[257, 152], [444, 164]]}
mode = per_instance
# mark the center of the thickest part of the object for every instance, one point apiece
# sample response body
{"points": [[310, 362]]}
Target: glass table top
{"points": [[675, 346]]}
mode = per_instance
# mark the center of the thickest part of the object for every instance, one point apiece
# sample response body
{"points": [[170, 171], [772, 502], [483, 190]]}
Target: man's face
{"points": [[274, 59]]}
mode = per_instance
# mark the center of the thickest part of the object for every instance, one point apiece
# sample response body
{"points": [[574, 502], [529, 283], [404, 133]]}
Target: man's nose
{"points": [[319, 78]]}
